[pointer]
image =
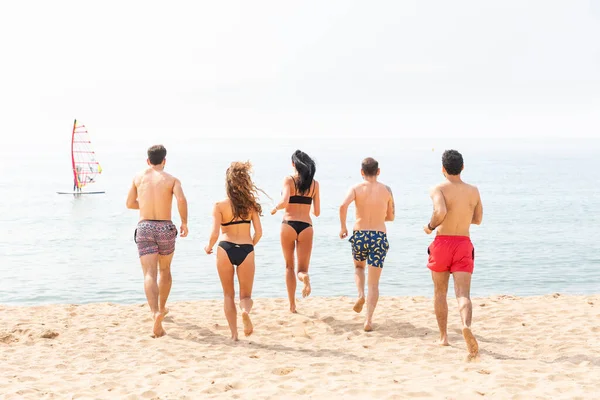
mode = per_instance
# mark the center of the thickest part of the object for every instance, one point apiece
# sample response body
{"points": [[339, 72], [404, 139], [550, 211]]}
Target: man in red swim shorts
{"points": [[456, 205]]}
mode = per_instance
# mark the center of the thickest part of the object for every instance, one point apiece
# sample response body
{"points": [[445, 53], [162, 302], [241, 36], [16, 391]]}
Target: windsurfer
{"points": [[76, 186]]}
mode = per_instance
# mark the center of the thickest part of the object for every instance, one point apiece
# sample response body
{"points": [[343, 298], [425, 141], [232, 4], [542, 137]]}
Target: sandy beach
{"points": [[532, 347]]}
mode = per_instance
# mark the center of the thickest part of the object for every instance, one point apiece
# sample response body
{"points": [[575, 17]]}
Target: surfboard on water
{"points": [[83, 160], [78, 193]]}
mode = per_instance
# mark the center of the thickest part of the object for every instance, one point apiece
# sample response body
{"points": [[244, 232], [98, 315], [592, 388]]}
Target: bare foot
{"points": [[164, 311], [306, 290], [444, 342], [358, 306], [368, 327], [248, 327], [472, 345], [158, 328], [234, 337]]}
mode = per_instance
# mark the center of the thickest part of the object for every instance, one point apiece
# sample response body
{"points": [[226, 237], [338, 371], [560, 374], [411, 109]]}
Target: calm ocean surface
{"points": [[540, 232]]}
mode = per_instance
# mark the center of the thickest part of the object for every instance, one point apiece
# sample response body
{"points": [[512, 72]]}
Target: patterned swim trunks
{"points": [[152, 236], [371, 246]]}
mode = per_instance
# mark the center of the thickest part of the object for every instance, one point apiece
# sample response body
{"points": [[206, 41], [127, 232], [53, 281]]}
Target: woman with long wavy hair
{"points": [[232, 217], [300, 191]]}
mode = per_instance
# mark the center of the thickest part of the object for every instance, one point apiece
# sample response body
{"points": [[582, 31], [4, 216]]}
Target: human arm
{"points": [[257, 228], [317, 201], [350, 196], [214, 233], [132, 201], [391, 207], [478, 212], [181, 206], [285, 196], [439, 210]]}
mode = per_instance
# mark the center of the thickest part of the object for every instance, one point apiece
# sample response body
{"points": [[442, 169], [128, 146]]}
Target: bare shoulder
{"points": [[137, 179], [387, 188], [471, 188], [357, 186], [169, 177], [437, 188], [223, 203], [474, 189], [219, 204]]}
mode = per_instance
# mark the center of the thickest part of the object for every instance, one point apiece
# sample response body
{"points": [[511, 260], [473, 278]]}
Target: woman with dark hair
{"points": [[299, 192], [232, 217]]}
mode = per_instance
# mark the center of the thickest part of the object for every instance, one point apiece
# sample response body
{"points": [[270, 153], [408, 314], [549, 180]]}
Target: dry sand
{"points": [[534, 347]]}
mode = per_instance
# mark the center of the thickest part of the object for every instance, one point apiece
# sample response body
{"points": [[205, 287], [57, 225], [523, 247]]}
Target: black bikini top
{"points": [[300, 200], [297, 199], [241, 221]]}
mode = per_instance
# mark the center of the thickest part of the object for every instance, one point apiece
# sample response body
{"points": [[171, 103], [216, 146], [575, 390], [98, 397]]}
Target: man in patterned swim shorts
{"points": [[374, 204], [152, 193]]}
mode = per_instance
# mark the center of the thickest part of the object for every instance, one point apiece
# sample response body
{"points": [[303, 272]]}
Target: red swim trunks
{"points": [[451, 254]]}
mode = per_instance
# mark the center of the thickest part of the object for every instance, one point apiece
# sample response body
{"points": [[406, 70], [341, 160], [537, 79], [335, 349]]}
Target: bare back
{"points": [[301, 212], [463, 208], [155, 194], [372, 200], [236, 233]]}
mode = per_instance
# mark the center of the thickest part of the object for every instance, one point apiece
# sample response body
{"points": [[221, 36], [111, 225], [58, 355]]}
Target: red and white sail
{"points": [[85, 166]]}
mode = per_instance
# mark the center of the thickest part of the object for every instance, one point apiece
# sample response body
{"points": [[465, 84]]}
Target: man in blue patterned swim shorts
{"points": [[374, 204], [152, 193]]}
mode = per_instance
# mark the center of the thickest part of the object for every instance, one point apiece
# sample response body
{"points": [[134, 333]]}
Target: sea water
{"points": [[539, 235]]}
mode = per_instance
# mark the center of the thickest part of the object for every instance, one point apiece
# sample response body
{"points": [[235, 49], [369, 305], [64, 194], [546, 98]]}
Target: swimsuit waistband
{"points": [[453, 237], [164, 221], [236, 244], [369, 230]]}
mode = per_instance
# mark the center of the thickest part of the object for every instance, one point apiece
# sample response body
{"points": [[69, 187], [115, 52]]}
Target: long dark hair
{"points": [[241, 190], [306, 168]]}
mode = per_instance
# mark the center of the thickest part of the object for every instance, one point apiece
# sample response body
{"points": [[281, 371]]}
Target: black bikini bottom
{"points": [[237, 253], [298, 226]]}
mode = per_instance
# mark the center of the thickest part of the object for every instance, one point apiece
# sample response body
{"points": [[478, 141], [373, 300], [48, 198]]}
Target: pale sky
{"points": [[300, 68]]}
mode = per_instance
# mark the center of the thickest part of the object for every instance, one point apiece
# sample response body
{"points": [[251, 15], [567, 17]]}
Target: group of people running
{"points": [[456, 205]]}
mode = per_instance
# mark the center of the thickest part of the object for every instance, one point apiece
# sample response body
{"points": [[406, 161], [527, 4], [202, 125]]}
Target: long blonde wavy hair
{"points": [[242, 192]]}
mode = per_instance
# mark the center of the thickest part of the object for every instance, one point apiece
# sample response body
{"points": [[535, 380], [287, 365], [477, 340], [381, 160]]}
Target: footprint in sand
{"points": [[8, 338], [149, 394], [283, 371], [49, 335]]}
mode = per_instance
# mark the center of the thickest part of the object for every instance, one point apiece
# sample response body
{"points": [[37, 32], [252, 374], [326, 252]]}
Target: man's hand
{"points": [[183, 230], [343, 233], [274, 211], [208, 250], [427, 230]]}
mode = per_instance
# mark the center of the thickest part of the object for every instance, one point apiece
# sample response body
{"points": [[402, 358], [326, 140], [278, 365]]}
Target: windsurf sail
{"points": [[85, 166]]}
